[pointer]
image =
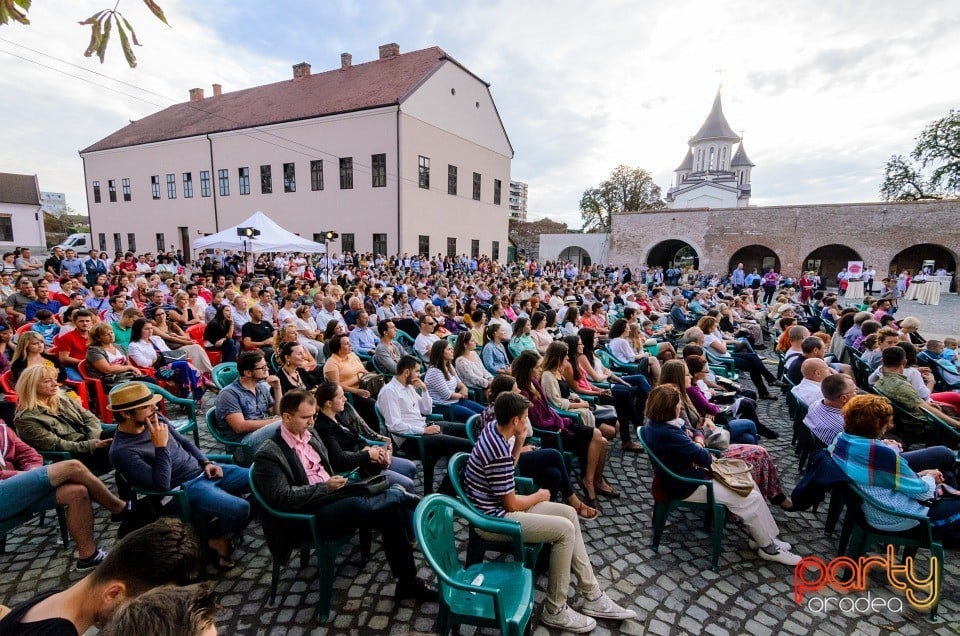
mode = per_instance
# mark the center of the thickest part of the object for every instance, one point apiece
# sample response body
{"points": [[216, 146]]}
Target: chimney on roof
{"points": [[301, 70], [389, 50], [346, 61], [217, 90], [196, 94]]}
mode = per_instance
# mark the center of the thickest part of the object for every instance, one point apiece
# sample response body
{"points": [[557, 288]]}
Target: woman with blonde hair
{"points": [[48, 420], [109, 363], [29, 352], [182, 314]]}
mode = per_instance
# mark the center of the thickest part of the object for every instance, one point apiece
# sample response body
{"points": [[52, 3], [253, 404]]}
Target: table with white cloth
{"points": [[928, 294], [855, 289], [913, 291], [945, 282]]}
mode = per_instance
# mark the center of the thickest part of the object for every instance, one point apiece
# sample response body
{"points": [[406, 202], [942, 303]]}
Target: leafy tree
{"points": [[101, 26], [626, 190], [932, 170]]}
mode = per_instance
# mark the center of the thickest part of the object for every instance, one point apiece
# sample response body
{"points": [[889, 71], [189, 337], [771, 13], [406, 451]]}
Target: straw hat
{"points": [[131, 396]]}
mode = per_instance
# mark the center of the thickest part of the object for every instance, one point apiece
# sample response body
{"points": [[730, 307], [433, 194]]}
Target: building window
{"points": [[346, 173], [102, 240], [379, 163], [476, 186], [424, 172], [495, 251], [316, 175], [126, 190], [112, 190], [451, 246], [348, 242], [379, 244], [96, 192], [452, 180], [187, 185], [171, 186], [204, 183], [6, 229], [289, 177], [161, 243], [266, 180], [474, 248], [223, 176], [243, 179], [132, 242], [423, 245], [117, 245], [496, 191], [155, 186]]}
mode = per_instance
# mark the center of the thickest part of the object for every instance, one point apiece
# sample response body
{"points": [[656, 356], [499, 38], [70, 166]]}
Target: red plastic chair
{"points": [[25, 327], [105, 414], [196, 334], [6, 384]]}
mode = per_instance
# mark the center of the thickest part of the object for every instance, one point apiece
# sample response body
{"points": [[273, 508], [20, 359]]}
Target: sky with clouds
{"points": [[824, 92]]}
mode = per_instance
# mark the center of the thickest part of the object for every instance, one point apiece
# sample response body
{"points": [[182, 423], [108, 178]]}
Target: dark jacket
{"points": [[282, 482], [821, 474], [680, 454], [343, 444]]}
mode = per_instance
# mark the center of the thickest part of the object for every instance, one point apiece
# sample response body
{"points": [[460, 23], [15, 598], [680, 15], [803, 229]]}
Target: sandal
{"points": [[632, 447], [587, 512], [587, 499], [220, 561], [612, 493]]}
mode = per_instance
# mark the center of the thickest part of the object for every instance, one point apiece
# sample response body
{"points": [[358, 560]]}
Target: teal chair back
{"points": [[242, 454], [495, 594], [224, 373], [716, 512]]}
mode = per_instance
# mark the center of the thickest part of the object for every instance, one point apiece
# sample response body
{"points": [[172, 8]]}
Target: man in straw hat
{"points": [[151, 454]]}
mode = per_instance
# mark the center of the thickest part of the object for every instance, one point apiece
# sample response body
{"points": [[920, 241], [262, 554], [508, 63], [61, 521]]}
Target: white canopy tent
{"points": [[272, 238]]}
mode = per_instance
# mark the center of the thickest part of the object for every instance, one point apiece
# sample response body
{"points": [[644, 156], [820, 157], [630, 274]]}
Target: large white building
{"points": [[54, 203], [518, 200], [711, 174], [21, 221], [406, 153]]}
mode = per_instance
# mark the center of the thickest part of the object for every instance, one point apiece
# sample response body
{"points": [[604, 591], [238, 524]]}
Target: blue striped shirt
{"points": [[489, 473]]}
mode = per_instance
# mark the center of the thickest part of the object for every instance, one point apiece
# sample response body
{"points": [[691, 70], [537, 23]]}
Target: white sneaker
{"points": [[568, 619], [781, 556], [783, 545], [604, 607]]}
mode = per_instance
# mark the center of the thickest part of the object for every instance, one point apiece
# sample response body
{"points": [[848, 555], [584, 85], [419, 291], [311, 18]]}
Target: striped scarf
{"points": [[870, 462]]}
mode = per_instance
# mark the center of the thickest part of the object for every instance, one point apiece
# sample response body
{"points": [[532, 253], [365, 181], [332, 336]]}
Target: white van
{"points": [[81, 243]]}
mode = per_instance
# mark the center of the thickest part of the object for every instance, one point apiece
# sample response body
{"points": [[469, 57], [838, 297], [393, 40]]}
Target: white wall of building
{"points": [[596, 245], [27, 224]]}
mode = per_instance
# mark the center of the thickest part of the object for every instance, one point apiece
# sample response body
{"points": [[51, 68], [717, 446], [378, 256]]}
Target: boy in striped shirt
{"points": [[490, 487]]}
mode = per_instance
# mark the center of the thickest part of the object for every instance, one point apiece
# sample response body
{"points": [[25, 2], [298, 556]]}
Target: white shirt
{"points": [[404, 410], [808, 391], [423, 343], [324, 316]]}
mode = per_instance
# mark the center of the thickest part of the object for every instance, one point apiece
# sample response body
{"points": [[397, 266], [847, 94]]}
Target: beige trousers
{"points": [[558, 524], [752, 509]]}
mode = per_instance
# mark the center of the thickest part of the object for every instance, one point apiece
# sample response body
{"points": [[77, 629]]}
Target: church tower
{"points": [[711, 174]]}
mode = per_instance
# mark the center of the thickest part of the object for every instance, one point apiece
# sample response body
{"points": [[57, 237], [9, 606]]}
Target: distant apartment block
{"points": [[518, 200]]}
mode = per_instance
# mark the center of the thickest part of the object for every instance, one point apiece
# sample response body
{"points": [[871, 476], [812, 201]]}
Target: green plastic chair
{"points": [[224, 373], [8, 525], [183, 425], [862, 535], [326, 551], [473, 428], [614, 363], [716, 512], [727, 363], [491, 594], [909, 426], [477, 545], [241, 453]]}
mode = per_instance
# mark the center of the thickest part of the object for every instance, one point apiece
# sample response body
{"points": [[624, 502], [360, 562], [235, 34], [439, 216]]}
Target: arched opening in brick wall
{"points": [[673, 253], [575, 254], [830, 259], [759, 257], [913, 259]]}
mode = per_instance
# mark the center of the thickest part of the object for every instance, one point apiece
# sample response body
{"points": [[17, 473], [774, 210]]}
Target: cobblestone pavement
{"points": [[673, 591]]}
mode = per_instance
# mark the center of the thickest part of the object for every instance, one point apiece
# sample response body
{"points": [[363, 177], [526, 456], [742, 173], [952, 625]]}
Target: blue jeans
{"points": [[462, 410], [401, 471], [546, 468], [255, 439], [742, 432], [221, 499], [30, 491]]}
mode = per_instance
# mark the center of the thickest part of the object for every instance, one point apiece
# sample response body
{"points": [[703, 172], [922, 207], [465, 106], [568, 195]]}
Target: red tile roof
{"points": [[381, 82], [19, 188]]}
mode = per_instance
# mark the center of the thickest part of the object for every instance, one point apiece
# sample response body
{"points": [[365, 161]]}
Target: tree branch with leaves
{"points": [[626, 190], [937, 154], [101, 26]]}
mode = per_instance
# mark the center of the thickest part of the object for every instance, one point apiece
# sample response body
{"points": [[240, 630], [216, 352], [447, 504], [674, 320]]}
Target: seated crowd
{"points": [[398, 363]]}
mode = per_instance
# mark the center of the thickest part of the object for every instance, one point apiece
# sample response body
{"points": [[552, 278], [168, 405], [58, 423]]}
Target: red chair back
{"points": [[106, 415], [6, 384]]}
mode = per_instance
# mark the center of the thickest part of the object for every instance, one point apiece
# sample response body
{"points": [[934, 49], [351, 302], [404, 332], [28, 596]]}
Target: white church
{"points": [[712, 175]]}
